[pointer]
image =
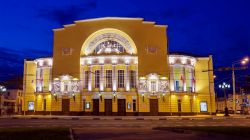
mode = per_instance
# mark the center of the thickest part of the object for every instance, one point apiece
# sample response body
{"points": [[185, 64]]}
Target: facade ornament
{"points": [[65, 85], [153, 84]]}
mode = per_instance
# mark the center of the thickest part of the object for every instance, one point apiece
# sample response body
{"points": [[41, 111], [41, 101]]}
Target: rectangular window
{"points": [[179, 105], [134, 105], [153, 86], [132, 79], [203, 106], [177, 85], [108, 78], [39, 79], [67, 51], [44, 104], [97, 79], [87, 105], [128, 106], [31, 106], [66, 87], [86, 80], [120, 78]]}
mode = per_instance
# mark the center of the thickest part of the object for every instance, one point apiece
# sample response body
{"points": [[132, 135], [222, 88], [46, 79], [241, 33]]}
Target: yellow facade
{"points": [[117, 66]]}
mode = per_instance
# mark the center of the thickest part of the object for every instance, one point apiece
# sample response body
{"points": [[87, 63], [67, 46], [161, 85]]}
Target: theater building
{"points": [[117, 66]]}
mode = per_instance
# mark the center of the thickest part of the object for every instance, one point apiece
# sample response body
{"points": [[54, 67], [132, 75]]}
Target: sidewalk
{"points": [[197, 117]]}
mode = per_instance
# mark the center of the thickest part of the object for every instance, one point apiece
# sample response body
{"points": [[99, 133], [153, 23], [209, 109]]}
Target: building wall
{"points": [[242, 103], [12, 101], [150, 41], [144, 34]]}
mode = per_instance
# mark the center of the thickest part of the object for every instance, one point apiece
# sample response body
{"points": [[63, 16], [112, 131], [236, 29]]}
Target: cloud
{"points": [[67, 14], [168, 13], [11, 61]]}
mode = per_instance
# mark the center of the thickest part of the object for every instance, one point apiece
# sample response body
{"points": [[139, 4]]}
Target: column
{"points": [[126, 78], [114, 79], [171, 78], [102, 80], [184, 78], [90, 78]]}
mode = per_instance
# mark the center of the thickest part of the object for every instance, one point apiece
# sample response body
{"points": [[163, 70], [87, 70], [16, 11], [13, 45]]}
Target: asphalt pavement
{"points": [[129, 128]]}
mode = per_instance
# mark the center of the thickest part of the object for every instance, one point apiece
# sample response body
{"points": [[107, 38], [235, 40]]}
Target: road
{"points": [[128, 129], [78, 123]]}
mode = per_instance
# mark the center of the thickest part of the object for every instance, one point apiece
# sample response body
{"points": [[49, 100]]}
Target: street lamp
{"points": [[243, 62], [225, 86], [2, 90]]}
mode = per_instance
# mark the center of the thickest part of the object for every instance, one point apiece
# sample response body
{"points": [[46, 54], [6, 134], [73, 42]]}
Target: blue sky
{"points": [[217, 27]]}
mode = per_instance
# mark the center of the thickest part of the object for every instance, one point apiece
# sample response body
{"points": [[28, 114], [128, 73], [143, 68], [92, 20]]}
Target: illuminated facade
{"points": [[117, 66]]}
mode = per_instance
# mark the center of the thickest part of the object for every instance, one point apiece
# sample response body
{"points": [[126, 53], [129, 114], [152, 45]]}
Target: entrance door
{"points": [[95, 107], [108, 107], [121, 107], [65, 106], [154, 107]]}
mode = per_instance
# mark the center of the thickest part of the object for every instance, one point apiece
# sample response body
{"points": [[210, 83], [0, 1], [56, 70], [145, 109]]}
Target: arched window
{"points": [[108, 40], [109, 46]]}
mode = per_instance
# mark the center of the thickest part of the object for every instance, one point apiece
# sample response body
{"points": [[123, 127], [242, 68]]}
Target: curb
{"points": [[162, 118], [96, 119], [125, 118], [139, 118], [75, 118], [117, 118]]}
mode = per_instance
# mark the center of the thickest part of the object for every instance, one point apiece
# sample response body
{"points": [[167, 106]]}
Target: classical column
{"points": [[171, 78], [102, 80], [114, 81], [90, 78], [184, 78], [126, 78]]}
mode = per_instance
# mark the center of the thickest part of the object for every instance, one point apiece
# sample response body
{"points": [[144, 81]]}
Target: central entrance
{"points": [[121, 107], [95, 107], [65, 106], [108, 107], [153, 107]]}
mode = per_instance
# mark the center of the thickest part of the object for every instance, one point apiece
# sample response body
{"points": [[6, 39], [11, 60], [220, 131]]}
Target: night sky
{"points": [[203, 27]]}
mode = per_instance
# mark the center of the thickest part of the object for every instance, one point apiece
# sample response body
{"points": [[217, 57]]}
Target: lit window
{"points": [[120, 78], [177, 85], [39, 79], [86, 79], [108, 78], [66, 86], [109, 46], [203, 106], [132, 78], [97, 79], [31, 106], [153, 86]]}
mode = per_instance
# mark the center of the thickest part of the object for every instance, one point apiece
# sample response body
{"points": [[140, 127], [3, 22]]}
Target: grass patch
{"points": [[226, 130], [34, 133]]}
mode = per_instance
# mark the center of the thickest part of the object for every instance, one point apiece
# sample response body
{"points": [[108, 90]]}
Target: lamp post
{"points": [[243, 62], [2, 90], [225, 86]]}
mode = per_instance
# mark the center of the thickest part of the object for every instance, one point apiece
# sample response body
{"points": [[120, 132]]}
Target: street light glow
{"points": [[224, 85], [246, 59], [243, 62]]}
